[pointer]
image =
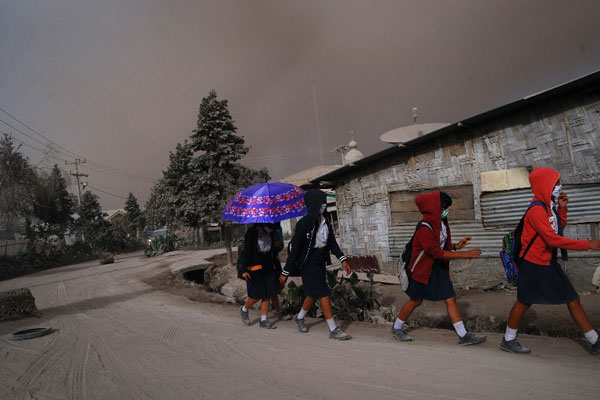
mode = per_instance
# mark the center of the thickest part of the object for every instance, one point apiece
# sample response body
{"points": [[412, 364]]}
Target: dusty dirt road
{"points": [[119, 338]]}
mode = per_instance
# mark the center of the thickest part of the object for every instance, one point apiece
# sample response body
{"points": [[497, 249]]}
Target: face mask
{"points": [[444, 213], [323, 207], [556, 191]]}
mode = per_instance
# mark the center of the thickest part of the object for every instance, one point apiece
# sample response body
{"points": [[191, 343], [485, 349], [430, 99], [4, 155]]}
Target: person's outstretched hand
{"points": [[463, 242], [594, 244], [474, 253], [346, 267]]}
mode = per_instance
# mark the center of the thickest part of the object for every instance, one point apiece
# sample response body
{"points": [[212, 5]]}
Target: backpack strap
{"points": [[420, 225], [535, 203]]}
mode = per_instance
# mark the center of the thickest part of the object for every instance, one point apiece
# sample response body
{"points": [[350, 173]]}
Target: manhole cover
{"points": [[30, 333]]}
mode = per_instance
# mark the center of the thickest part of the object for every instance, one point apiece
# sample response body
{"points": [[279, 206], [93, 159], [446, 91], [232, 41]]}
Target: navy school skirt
{"points": [[439, 286], [314, 280], [264, 282], [544, 284]]}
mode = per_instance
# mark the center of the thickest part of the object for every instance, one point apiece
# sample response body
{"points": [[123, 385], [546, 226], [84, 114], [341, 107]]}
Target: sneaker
{"points": [[339, 334], [266, 324], [512, 346], [471, 338], [595, 348], [400, 335], [244, 316], [300, 324]]}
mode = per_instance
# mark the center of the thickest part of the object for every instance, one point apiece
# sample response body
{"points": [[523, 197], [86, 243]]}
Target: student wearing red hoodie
{"points": [[541, 278], [430, 256]]}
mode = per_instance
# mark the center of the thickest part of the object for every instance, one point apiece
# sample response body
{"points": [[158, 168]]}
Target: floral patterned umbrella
{"points": [[266, 203]]}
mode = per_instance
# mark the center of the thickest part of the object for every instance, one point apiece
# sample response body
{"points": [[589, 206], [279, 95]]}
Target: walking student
{"points": [[541, 278], [258, 269], [432, 250], [311, 244]]}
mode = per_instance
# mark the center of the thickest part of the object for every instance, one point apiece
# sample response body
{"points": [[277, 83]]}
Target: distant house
{"points": [[483, 162], [115, 216]]}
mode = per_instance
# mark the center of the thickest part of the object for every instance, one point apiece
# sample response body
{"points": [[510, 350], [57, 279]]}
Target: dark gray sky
{"points": [[120, 82]]}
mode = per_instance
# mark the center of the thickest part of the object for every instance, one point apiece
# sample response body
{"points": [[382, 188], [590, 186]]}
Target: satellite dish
{"points": [[410, 132]]}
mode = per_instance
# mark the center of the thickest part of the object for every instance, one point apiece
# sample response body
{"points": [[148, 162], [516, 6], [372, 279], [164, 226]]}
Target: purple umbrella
{"points": [[266, 203]]}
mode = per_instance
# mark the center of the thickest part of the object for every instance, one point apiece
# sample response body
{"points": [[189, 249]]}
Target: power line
{"points": [[23, 143], [117, 175], [108, 193], [70, 153], [23, 133], [131, 177]]}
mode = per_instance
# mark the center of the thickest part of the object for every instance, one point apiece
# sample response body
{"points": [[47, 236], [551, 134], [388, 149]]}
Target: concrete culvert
{"points": [[196, 275], [30, 333]]}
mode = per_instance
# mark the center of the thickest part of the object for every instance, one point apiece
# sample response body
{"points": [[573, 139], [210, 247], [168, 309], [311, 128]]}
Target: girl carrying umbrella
{"points": [[262, 205], [257, 267], [309, 253]]}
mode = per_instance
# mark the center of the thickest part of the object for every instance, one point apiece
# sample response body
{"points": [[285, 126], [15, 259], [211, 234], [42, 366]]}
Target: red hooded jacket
{"points": [[542, 182], [429, 205]]}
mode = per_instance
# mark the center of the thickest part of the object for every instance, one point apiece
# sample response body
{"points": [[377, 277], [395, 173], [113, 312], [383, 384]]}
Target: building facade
{"points": [[483, 163]]}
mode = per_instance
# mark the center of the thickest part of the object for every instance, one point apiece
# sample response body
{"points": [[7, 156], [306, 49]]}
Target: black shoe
{"points": [[595, 348], [512, 346], [471, 338], [339, 334], [244, 316], [300, 324], [400, 335], [266, 324]]}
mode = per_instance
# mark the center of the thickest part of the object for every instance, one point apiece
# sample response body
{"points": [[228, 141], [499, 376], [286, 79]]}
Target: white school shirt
{"points": [[443, 235], [322, 234]]}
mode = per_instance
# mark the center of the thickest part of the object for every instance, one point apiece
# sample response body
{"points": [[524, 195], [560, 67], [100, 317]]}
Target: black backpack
{"points": [[403, 271]]}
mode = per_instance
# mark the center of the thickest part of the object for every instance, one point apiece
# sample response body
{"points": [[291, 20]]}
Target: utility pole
{"points": [[77, 175], [312, 81]]}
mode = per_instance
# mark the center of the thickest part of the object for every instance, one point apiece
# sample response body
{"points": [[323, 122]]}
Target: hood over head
{"points": [[542, 182], [314, 199], [430, 205]]}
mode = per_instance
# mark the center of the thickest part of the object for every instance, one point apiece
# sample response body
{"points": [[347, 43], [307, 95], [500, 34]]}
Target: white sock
{"points": [[460, 329], [591, 336], [510, 334], [263, 318], [398, 324], [331, 324], [302, 313], [244, 309]]}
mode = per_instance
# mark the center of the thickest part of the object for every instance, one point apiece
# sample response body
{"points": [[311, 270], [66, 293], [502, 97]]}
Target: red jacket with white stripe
{"points": [[429, 205]]}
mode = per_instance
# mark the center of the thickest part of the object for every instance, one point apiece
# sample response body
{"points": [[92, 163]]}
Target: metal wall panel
{"points": [[506, 208]]}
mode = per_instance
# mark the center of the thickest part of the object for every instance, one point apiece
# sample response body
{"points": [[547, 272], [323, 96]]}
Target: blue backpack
{"points": [[511, 248]]}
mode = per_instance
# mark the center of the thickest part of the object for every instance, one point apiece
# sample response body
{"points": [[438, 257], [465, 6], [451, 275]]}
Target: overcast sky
{"points": [[120, 82]]}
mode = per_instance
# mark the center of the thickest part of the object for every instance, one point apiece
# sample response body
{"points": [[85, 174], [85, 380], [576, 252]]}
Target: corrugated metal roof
{"points": [[589, 82]]}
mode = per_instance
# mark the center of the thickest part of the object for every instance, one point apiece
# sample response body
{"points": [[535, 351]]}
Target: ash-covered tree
{"points": [[217, 151], [52, 204], [159, 209], [203, 174], [217, 172], [91, 223], [17, 185], [133, 216]]}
